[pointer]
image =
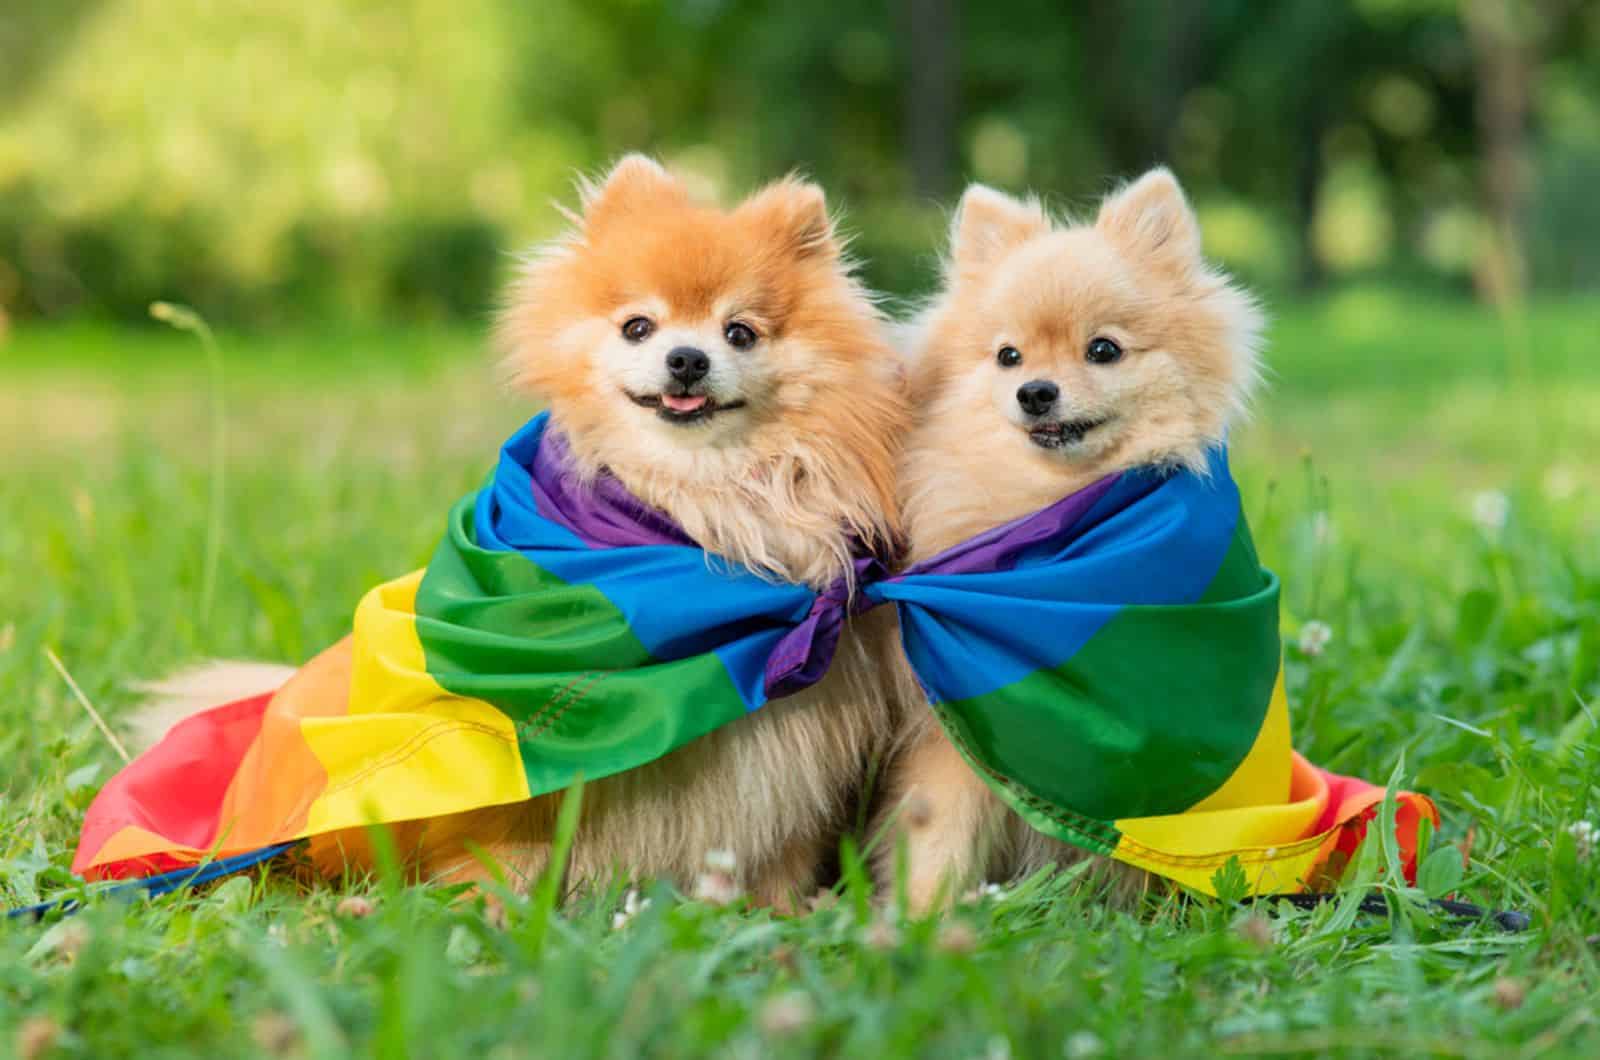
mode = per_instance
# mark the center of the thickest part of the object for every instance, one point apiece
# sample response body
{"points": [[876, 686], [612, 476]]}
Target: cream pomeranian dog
{"points": [[1055, 354], [728, 370]]}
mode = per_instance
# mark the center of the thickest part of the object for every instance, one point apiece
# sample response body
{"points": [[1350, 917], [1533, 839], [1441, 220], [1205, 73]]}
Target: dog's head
{"points": [[1090, 347], [690, 348]]}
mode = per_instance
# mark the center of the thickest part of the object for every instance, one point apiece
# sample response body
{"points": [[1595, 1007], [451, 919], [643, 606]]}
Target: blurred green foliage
{"points": [[286, 159]]}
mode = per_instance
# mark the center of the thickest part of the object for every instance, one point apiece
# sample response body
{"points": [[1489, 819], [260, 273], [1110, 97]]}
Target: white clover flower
{"points": [[354, 907], [1490, 510], [1323, 532], [274, 1032], [1585, 836], [957, 936], [788, 1013], [1314, 637], [632, 906], [881, 934], [986, 890], [1084, 1044], [1560, 483], [719, 883], [997, 1048], [716, 888]]}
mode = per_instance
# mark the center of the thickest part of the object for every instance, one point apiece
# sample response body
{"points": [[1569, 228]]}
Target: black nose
{"points": [[1037, 397], [687, 364]]}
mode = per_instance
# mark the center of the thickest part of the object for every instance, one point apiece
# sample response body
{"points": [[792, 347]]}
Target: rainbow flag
{"points": [[1109, 665]]}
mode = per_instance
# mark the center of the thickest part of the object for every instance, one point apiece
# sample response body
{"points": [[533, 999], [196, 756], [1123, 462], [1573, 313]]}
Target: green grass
{"points": [[1465, 651]]}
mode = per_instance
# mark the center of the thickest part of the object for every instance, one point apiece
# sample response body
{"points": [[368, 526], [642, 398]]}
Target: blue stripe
{"points": [[164, 883], [1154, 538], [678, 601]]}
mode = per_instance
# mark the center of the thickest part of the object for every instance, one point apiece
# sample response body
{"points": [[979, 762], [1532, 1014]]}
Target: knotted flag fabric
{"points": [[1109, 665], [561, 628]]}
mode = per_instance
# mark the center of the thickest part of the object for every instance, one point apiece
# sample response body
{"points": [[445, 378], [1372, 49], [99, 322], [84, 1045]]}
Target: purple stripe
{"points": [[804, 653], [802, 657], [601, 513], [998, 549]]}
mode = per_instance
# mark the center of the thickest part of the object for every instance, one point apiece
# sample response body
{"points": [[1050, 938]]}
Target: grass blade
{"points": [[185, 319], [547, 893]]}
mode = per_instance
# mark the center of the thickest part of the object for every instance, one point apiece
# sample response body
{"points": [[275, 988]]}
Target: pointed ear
{"points": [[794, 214], [988, 224], [635, 183], [1151, 218]]}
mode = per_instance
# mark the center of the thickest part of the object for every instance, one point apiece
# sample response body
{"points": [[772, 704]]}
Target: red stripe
{"points": [[1410, 808], [176, 788], [1341, 790]]}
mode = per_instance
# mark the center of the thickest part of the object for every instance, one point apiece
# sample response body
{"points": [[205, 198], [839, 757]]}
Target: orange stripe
{"points": [[1282, 846]]}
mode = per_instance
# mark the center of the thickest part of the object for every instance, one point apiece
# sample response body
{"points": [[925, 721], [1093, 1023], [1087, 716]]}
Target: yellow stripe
{"points": [[1263, 777], [1270, 870], [407, 748], [1249, 816]]}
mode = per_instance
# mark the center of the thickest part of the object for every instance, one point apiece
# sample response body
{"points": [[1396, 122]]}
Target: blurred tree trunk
{"points": [[1169, 40], [31, 36], [1320, 53], [932, 101], [1308, 174], [1187, 42], [1504, 48]]}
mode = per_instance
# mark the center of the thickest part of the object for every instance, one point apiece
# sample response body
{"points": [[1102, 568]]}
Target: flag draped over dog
{"points": [[1109, 665]]}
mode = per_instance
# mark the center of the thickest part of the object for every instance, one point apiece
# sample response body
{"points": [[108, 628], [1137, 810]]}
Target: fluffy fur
{"points": [[777, 458], [1188, 360], [813, 451]]}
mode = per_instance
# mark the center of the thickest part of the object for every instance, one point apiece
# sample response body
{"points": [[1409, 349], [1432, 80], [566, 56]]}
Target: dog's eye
{"points": [[1103, 351], [740, 336], [1009, 356], [637, 329]]}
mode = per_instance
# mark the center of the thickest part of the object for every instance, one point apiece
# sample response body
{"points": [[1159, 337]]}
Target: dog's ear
{"points": [[793, 214], [988, 224], [1150, 218], [636, 184]]}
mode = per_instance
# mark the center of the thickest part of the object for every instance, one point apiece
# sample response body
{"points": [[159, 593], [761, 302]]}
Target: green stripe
{"points": [[561, 661], [1097, 837], [1152, 715], [1240, 574]]}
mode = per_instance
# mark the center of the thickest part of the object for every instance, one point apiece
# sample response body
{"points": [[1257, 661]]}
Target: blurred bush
{"points": [[340, 156], [305, 158]]}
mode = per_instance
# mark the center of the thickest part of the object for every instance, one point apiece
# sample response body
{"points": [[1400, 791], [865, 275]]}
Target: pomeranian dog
{"points": [[727, 368], [1055, 354]]}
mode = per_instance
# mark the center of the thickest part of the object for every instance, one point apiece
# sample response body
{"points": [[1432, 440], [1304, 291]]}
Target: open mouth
{"points": [[1057, 434], [683, 408]]}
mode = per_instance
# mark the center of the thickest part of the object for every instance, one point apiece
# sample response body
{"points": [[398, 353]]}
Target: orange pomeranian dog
{"points": [[1054, 355], [727, 369]]}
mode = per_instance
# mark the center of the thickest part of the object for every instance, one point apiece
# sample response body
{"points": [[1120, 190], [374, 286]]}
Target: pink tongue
{"points": [[686, 403]]}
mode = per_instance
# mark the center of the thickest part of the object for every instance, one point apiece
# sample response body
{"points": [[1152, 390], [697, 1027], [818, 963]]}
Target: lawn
{"points": [[1421, 474]]}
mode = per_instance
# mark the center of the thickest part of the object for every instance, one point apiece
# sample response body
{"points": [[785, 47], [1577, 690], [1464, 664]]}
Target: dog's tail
{"points": [[191, 691]]}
